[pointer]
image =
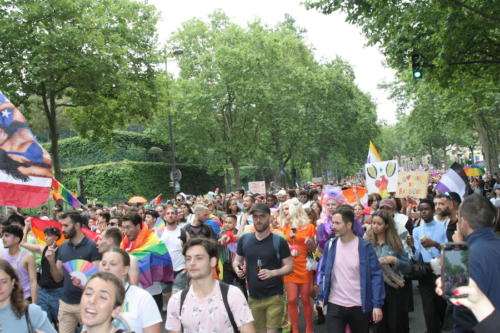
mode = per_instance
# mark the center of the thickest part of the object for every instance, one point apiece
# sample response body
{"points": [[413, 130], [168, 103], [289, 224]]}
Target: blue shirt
{"points": [[38, 318], [432, 230]]}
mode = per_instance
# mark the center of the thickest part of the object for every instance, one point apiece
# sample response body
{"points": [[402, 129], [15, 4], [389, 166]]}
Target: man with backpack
{"points": [[208, 305], [264, 258]]}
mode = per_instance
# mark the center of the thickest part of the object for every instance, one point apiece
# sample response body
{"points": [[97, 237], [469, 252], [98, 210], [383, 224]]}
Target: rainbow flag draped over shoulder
{"points": [[155, 264], [59, 192]]}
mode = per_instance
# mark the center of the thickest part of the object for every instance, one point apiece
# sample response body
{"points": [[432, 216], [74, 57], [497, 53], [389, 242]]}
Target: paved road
{"points": [[417, 323]]}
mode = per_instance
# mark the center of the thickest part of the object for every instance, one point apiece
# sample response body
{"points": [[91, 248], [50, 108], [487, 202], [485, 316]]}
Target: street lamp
{"points": [[175, 174]]}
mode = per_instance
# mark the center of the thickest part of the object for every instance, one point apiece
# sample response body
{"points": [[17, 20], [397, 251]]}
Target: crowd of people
{"points": [[243, 261]]}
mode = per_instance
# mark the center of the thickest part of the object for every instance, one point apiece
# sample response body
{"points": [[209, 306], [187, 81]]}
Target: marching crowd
{"points": [[243, 262]]}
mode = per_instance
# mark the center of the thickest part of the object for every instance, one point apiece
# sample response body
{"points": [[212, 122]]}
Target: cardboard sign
{"points": [[382, 177], [257, 187], [317, 180], [412, 184]]}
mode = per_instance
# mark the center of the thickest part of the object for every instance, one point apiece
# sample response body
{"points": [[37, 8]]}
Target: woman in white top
{"points": [[139, 309]]}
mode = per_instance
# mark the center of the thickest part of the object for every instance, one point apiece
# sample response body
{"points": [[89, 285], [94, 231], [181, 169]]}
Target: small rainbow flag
{"points": [[59, 192], [155, 263], [156, 201], [159, 227]]}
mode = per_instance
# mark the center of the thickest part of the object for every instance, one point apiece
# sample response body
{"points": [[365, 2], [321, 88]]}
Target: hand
{"points": [[265, 274], [27, 225], [50, 254], [310, 242], [457, 237], [427, 242], [323, 306], [409, 241], [476, 301], [77, 282], [377, 315], [387, 260], [241, 271], [224, 239]]}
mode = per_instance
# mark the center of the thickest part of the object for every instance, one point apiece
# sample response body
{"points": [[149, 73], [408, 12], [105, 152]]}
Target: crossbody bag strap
{"points": [[28, 320]]}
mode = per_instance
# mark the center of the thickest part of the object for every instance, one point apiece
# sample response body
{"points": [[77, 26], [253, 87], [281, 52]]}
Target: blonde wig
{"points": [[298, 216]]}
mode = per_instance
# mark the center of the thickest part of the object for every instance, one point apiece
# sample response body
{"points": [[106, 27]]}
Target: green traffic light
{"points": [[417, 74]]}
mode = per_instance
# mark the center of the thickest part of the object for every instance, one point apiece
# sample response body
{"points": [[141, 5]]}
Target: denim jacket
{"points": [[402, 265], [371, 277]]}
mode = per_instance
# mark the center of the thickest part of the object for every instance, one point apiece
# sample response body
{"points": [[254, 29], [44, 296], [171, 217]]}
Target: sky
{"points": [[328, 35]]}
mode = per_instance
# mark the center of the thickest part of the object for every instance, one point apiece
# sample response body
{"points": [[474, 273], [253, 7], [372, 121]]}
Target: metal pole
{"points": [[170, 131], [171, 127]]}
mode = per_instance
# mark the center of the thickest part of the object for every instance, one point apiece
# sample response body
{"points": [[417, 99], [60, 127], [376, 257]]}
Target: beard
{"points": [[446, 212], [70, 234]]}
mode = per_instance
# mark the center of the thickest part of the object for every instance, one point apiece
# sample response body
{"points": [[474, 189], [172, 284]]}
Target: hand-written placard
{"points": [[412, 184], [257, 187]]}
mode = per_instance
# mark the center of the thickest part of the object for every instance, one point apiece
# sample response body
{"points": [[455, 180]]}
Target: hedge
{"points": [[117, 181], [76, 151]]}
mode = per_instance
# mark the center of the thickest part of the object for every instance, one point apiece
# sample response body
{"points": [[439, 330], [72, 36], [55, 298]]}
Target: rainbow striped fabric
{"points": [[156, 201], [155, 263], [38, 227], [59, 192]]}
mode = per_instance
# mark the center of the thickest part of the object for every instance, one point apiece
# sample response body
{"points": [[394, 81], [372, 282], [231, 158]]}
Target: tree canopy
{"points": [[95, 59], [256, 95]]}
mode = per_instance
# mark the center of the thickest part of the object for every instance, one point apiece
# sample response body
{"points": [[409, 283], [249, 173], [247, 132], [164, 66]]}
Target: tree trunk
{"points": [[49, 106], [489, 143], [236, 172]]}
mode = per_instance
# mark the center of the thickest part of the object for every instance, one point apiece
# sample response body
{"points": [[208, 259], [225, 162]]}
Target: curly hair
{"points": [[298, 216], [18, 303], [391, 235]]}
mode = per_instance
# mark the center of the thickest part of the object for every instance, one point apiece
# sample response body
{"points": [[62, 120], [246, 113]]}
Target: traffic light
{"points": [[417, 63]]}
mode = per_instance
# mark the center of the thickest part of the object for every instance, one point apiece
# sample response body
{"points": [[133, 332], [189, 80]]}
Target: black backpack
{"points": [[224, 288]]}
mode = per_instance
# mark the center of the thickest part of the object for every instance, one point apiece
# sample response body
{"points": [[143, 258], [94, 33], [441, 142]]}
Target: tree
{"points": [[93, 59], [460, 47], [454, 37]]}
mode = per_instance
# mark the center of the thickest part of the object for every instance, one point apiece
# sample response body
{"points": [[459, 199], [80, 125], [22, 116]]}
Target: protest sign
{"points": [[412, 184], [257, 187], [382, 177]]}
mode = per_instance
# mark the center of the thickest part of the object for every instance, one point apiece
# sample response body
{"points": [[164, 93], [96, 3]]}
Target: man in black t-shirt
{"points": [[78, 246], [264, 258]]}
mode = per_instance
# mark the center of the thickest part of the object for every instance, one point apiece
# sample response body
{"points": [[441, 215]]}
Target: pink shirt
{"points": [[346, 287], [207, 314]]}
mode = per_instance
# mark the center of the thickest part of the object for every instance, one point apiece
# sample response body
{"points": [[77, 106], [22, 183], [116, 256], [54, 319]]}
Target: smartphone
{"points": [[454, 268]]}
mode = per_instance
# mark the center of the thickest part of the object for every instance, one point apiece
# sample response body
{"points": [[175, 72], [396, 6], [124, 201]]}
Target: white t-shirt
{"points": [[139, 309], [174, 247], [200, 315]]}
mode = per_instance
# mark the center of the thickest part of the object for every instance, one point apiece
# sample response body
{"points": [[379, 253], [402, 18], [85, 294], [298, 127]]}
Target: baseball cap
{"points": [[260, 207], [389, 203], [281, 192]]}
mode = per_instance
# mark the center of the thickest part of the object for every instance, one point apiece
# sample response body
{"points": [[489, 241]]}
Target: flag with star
{"points": [[25, 167]]}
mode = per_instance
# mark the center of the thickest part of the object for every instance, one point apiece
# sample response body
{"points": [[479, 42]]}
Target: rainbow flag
{"points": [[38, 226], [159, 227], [156, 201], [155, 263], [59, 192], [373, 155]]}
